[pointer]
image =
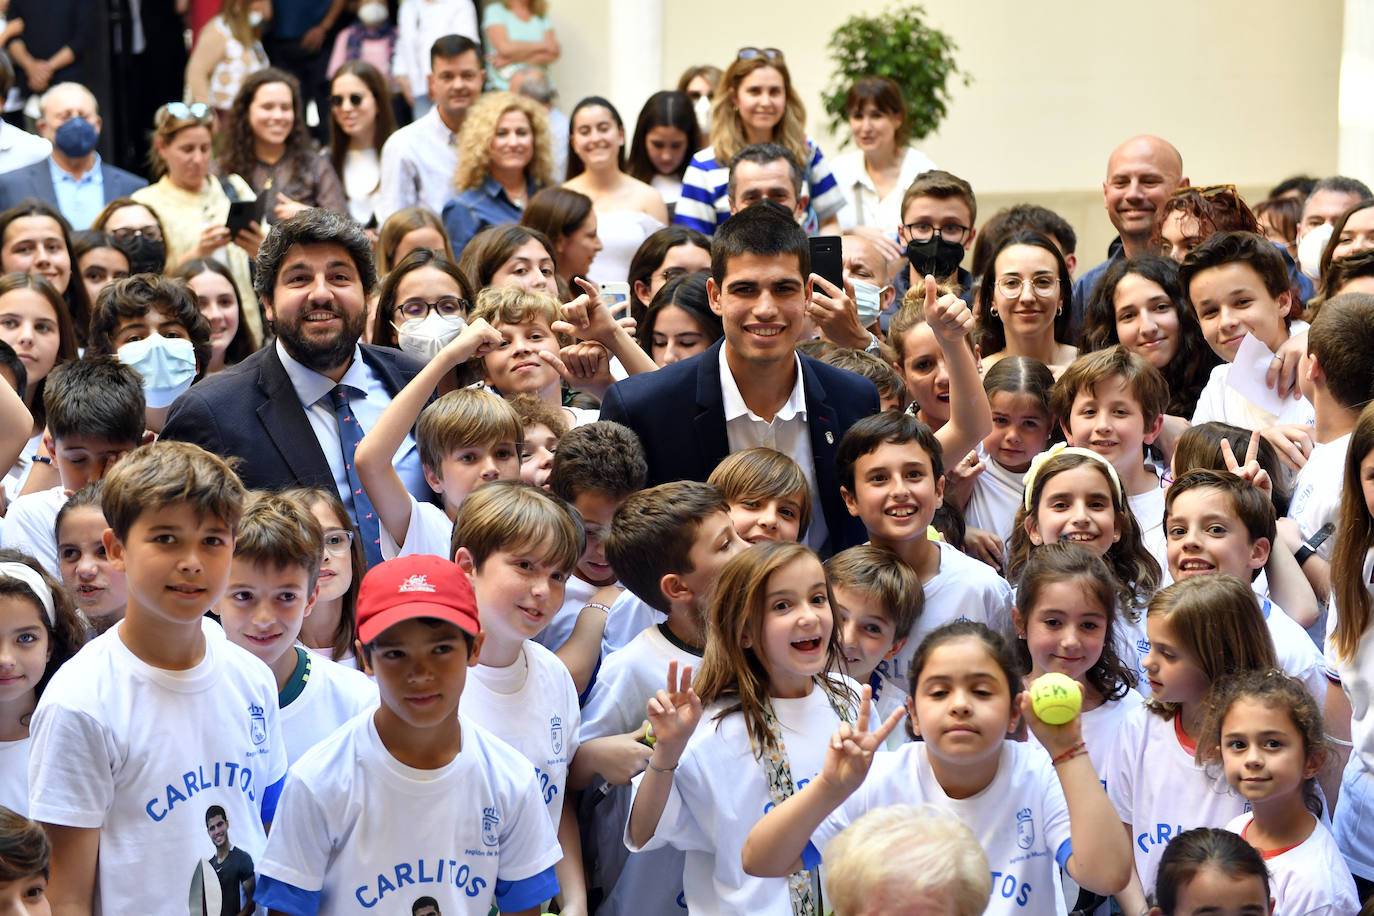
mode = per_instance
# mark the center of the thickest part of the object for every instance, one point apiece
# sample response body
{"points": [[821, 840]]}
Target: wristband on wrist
{"points": [[40, 459], [1077, 750], [659, 769], [596, 604]]}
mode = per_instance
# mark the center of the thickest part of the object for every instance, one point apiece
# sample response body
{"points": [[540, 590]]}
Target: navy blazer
{"points": [[36, 181], [251, 411], [679, 414]]}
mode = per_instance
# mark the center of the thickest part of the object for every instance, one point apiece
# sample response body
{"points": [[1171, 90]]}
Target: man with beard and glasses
{"points": [[294, 411]]}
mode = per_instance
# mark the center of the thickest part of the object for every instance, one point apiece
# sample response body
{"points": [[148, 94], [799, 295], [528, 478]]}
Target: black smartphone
{"points": [[241, 213], [826, 258]]}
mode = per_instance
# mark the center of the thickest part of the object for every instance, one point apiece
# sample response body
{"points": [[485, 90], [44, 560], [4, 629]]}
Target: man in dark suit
{"points": [[752, 388], [275, 410], [73, 179]]}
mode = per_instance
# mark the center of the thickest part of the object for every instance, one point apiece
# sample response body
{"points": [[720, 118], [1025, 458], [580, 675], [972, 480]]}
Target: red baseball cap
{"points": [[415, 586]]}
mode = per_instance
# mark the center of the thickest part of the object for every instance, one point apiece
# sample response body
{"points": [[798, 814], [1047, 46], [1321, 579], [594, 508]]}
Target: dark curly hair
{"points": [[238, 156]]}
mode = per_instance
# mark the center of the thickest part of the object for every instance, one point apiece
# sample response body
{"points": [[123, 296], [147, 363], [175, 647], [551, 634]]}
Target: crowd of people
{"points": [[525, 512]]}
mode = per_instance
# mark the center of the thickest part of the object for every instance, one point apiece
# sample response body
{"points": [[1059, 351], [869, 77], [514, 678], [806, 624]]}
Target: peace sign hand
{"points": [[850, 753], [1250, 472]]}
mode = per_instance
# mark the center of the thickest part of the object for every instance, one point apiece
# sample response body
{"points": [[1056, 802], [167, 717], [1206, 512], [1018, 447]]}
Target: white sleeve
{"points": [[1056, 809], [613, 707], [29, 528], [71, 768], [677, 827], [1210, 403], [429, 532], [300, 844], [402, 56], [1119, 773], [529, 843], [398, 179]]}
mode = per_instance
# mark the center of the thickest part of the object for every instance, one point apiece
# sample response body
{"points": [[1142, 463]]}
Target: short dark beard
{"points": [[322, 357]]}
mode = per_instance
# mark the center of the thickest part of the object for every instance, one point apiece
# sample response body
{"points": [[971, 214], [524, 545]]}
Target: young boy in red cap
{"points": [[412, 798]]}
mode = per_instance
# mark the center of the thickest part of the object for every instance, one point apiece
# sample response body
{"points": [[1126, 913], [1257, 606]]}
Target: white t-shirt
{"points": [[363, 831], [1219, 401], [1021, 820], [1101, 729], [997, 494], [29, 526], [1353, 824], [1159, 790], [532, 706], [720, 791], [1295, 651], [1310, 879], [142, 753], [1148, 509], [333, 694], [963, 589], [576, 594], [629, 617], [430, 532], [1317, 491], [14, 775], [640, 882]]}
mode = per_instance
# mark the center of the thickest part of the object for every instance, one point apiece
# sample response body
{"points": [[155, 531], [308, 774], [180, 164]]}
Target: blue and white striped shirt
{"points": [[705, 203]]}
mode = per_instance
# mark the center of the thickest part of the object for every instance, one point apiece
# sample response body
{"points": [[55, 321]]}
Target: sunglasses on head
{"points": [[749, 53], [181, 110], [353, 98]]}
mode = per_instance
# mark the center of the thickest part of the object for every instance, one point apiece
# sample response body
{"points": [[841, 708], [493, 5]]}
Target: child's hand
{"points": [[624, 757], [985, 546], [1293, 442], [1282, 374], [476, 340], [1056, 739], [850, 753], [1250, 472], [961, 478], [948, 316], [673, 713], [587, 317]]}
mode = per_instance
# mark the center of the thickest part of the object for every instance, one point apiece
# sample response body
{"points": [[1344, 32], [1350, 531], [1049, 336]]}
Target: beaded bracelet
{"points": [[1077, 750], [596, 604]]}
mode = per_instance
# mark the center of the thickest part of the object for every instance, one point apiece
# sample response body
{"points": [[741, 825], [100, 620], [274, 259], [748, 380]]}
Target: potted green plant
{"points": [[900, 45]]}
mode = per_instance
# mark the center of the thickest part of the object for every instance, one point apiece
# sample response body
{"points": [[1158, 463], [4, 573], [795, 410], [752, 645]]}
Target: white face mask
{"points": [[869, 300], [702, 107], [424, 337], [167, 364], [372, 13], [1310, 250]]}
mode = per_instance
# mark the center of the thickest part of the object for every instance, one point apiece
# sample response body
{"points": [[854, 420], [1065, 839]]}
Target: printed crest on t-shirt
{"points": [[1025, 829], [556, 734], [257, 723], [490, 821]]}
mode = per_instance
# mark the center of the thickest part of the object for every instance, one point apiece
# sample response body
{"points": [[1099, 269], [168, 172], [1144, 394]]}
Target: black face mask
{"points": [[146, 256], [934, 256]]}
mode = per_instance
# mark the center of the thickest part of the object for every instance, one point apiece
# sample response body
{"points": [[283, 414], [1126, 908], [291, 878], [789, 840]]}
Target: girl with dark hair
{"points": [[268, 146], [670, 252], [510, 255], [874, 177], [628, 210], [679, 322], [359, 123], [1209, 870], [569, 222], [36, 239], [666, 134], [1022, 302], [1139, 304], [99, 259], [231, 336]]}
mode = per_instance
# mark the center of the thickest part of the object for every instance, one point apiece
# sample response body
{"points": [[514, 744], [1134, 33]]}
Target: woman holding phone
{"points": [[193, 206]]}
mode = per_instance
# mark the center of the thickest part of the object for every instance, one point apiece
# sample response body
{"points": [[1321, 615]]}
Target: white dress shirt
{"points": [[313, 390], [787, 433], [418, 163]]}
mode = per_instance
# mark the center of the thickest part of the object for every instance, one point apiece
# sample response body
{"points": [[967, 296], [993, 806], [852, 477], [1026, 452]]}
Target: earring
{"points": [[992, 310], [1061, 310]]}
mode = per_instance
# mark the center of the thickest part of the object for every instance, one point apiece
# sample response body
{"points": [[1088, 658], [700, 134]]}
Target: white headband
{"points": [[30, 577], [1040, 460]]}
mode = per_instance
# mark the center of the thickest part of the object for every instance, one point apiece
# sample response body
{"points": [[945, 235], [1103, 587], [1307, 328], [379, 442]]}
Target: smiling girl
{"points": [[1022, 303]]}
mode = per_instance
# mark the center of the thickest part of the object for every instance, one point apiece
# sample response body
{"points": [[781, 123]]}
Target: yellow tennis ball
{"points": [[1055, 698]]}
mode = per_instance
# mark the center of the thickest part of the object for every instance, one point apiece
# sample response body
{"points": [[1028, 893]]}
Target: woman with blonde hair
{"points": [[227, 50], [193, 206], [504, 157], [755, 103]]}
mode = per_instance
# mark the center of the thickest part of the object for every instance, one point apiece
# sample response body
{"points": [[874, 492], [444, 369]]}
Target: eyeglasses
{"points": [[749, 53], [444, 305], [922, 232], [181, 110], [129, 233], [1042, 286], [353, 98], [672, 273], [338, 541]]}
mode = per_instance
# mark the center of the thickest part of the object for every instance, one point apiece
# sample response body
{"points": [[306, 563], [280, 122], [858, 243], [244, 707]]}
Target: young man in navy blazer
{"points": [[752, 388]]}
